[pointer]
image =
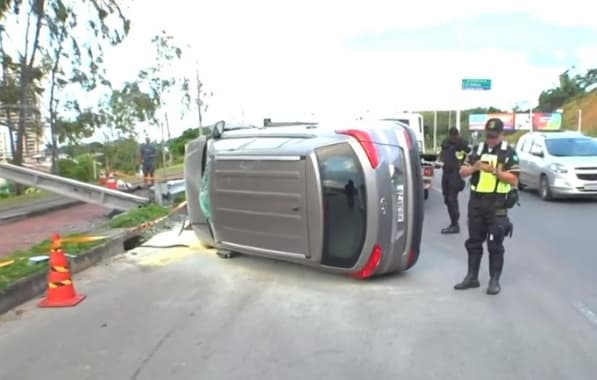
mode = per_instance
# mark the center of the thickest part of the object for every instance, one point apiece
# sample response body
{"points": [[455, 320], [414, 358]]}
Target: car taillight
{"points": [[409, 140], [364, 138], [412, 256], [371, 265]]}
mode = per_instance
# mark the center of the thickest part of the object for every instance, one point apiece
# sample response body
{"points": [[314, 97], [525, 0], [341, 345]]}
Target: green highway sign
{"points": [[476, 84]]}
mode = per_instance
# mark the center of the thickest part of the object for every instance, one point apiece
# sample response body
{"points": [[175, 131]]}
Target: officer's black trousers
{"points": [[451, 186], [483, 224]]}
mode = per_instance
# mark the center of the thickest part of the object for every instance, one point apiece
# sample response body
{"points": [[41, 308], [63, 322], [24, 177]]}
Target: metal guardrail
{"points": [[71, 188], [166, 189]]}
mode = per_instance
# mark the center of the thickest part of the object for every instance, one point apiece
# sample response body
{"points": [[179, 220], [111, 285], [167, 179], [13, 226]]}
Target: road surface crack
{"points": [[152, 353]]}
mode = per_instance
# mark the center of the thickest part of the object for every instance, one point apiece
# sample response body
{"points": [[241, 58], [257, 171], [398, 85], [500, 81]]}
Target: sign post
{"points": [[472, 85]]}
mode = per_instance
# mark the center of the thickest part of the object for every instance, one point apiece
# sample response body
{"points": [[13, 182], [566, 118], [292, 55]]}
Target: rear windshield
{"points": [[344, 204], [571, 147]]}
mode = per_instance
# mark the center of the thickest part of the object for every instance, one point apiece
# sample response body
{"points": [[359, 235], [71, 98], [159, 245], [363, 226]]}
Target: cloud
{"points": [[289, 60]]}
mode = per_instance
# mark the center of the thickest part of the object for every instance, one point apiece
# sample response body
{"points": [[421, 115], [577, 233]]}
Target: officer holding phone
{"points": [[494, 168]]}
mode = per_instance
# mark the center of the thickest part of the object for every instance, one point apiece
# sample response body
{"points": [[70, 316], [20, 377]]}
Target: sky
{"points": [[307, 59]]}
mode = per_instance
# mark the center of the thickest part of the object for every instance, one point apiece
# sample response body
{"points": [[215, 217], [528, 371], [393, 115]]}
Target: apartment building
{"points": [[9, 115]]}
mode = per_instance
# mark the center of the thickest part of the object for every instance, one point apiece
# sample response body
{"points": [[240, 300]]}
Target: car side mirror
{"points": [[218, 129]]}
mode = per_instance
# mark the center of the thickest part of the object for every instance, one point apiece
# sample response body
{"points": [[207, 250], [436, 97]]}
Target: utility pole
{"points": [[434, 131], [199, 85], [580, 119]]}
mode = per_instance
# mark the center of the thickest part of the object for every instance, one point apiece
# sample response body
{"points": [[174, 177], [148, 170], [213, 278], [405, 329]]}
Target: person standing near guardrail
{"points": [[453, 152], [148, 154], [493, 166]]}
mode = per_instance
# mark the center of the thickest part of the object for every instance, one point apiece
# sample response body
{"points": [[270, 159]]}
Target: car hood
{"points": [[577, 161]]}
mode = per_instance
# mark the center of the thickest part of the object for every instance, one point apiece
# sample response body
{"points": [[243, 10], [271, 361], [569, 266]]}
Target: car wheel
{"points": [[225, 254], [544, 190]]}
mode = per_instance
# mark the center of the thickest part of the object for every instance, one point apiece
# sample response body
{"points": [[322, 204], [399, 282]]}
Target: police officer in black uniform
{"points": [[453, 153], [494, 168]]}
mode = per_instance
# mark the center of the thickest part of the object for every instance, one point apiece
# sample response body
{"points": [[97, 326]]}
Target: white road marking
{"points": [[586, 312]]}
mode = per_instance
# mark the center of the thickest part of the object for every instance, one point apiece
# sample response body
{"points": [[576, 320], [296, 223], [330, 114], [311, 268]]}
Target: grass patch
{"points": [[138, 216], [170, 171], [180, 197], [22, 268]]}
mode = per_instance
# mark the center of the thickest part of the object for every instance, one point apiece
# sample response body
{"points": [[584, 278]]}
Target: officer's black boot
{"points": [[496, 263], [453, 228], [471, 280]]}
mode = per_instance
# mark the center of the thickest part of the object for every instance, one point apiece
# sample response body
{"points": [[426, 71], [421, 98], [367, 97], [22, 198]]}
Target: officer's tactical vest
{"points": [[488, 182]]}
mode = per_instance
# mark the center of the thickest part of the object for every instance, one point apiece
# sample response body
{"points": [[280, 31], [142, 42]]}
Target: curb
{"points": [[36, 284]]}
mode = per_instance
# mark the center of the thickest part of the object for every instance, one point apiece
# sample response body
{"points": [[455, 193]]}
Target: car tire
{"points": [[225, 254], [544, 189]]}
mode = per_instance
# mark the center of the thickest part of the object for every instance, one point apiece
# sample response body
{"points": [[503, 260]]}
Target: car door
{"points": [[536, 158], [522, 148]]}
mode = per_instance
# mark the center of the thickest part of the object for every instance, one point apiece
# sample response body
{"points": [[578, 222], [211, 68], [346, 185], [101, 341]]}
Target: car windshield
{"points": [[572, 147]]}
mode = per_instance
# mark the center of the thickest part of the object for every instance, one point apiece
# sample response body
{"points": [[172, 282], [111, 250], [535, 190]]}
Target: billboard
{"points": [[476, 121], [547, 121], [541, 121]]}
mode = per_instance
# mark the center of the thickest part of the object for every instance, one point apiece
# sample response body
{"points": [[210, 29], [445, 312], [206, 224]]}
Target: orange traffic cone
{"points": [[61, 290]]}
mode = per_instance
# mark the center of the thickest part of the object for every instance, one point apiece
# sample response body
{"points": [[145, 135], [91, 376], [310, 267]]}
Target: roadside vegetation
{"points": [[18, 265], [138, 216], [22, 267]]}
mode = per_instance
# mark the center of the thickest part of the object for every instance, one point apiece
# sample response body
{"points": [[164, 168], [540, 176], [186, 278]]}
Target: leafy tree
{"points": [[128, 106], [53, 29], [165, 85], [569, 87]]}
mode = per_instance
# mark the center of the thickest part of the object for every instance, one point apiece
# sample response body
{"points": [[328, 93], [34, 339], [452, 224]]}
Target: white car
{"points": [[560, 164]]}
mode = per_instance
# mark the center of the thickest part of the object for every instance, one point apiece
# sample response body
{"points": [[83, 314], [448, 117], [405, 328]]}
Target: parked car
{"points": [[345, 198], [559, 164]]}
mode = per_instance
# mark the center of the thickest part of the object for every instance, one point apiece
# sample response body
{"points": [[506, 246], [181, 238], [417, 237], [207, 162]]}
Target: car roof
{"points": [[325, 128], [302, 138], [552, 135]]}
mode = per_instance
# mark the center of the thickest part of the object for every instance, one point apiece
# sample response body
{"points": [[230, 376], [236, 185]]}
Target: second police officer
{"points": [[494, 168], [453, 153]]}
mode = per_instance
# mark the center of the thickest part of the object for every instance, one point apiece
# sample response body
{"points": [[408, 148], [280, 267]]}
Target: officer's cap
{"points": [[494, 126]]}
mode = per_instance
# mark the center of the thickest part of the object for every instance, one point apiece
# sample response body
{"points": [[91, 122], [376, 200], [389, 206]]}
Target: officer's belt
{"points": [[476, 194]]}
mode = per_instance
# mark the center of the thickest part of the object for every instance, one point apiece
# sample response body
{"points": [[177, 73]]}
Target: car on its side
{"points": [[341, 197]]}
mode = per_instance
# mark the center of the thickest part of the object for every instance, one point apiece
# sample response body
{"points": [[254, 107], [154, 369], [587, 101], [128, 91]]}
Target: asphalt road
{"points": [[183, 313]]}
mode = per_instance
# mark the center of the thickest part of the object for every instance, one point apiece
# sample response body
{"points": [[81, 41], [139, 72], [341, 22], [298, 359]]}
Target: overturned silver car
{"points": [[346, 198]]}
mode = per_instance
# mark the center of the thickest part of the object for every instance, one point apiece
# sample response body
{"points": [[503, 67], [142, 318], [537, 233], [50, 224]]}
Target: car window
{"points": [[523, 145], [536, 144], [574, 146], [345, 213]]}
